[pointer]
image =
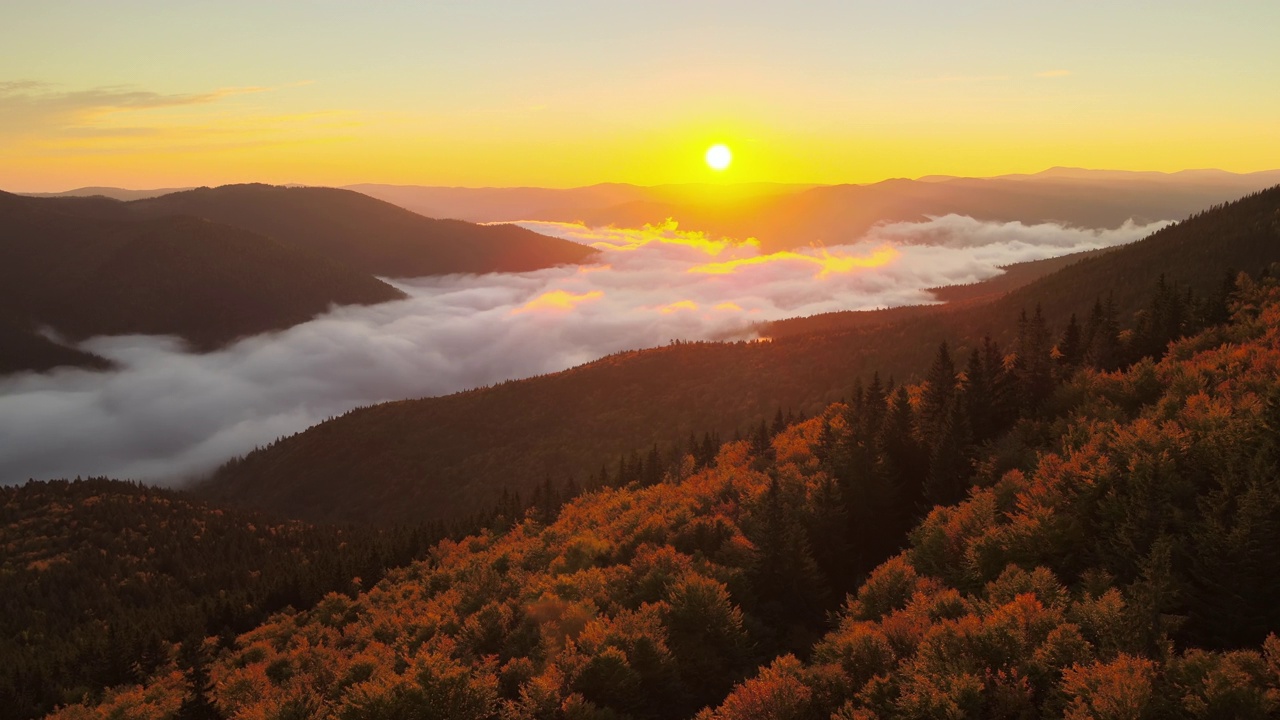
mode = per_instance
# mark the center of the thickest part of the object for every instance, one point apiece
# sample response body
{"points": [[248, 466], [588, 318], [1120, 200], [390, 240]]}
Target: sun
{"points": [[719, 157]]}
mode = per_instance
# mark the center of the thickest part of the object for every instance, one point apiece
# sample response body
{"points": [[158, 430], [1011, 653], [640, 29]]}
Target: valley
{"points": [[497, 360]]}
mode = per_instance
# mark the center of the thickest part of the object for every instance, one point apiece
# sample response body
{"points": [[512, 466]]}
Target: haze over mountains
{"points": [[1088, 510], [458, 332], [483, 458], [214, 265], [512, 436], [427, 338], [787, 216]]}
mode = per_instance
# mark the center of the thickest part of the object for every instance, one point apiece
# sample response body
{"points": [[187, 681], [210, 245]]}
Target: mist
{"points": [[166, 415]]}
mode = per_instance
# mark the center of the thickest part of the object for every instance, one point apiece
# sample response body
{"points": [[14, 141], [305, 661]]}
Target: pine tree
{"points": [[873, 407], [784, 575], [195, 665], [828, 525], [979, 397], [1102, 335], [1071, 346], [899, 457], [940, 388], [1033, 369], [950, 461], [652, 474], [779, 423]]}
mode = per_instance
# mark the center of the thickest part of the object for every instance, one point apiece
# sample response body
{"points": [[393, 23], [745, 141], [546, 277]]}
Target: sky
{"points": [[562, 93], [164, 414]]}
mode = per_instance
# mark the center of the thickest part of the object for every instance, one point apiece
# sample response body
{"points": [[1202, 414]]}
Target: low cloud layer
{"points": [[167, 415]]}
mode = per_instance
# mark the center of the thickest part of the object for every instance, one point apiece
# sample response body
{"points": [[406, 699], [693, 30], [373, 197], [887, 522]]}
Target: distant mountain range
{"points": [[114, 193], [787, 216], [446, 456], [797, 215], [215, 264], [367, 234]]}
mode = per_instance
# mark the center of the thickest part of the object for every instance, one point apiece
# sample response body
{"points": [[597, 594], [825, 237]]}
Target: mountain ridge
{"points": [[212, 265], [440, 455], [208, 283]]}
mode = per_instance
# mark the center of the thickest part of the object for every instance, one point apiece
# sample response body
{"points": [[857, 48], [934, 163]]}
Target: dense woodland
{"points": [[1078, 523], [98, 577], [439, 457], [101, 576]]}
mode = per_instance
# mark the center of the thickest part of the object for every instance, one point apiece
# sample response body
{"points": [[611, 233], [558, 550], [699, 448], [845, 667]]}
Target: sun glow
{"points": [[719, 157]]}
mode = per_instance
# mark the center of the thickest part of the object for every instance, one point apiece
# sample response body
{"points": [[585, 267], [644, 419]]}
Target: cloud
{"points": [[557, 300], [1053, 73], [30, 105], [50, 121], [166, 414]]}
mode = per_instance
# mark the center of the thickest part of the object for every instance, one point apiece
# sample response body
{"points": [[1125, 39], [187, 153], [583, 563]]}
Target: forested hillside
{"points": [[1026, 533], [209, 283], [438, 456], [1126, 572], [99, 577]]}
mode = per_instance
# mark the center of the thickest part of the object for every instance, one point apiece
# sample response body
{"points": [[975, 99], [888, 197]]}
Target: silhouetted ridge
{"points": [[369, 235], [86, 266]]}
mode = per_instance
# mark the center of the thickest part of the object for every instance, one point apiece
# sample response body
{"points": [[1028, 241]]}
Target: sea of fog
{"points": [[166, 415]]}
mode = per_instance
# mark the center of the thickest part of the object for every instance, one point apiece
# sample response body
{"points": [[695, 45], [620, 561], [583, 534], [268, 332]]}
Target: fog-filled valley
{"points": [[497, 360], [166, 414]]}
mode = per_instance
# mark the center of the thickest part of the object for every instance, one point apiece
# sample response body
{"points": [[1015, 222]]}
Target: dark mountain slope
{"points": [[368, 235], [66, 266], [100, 576], [438, 457], [22, 348]]}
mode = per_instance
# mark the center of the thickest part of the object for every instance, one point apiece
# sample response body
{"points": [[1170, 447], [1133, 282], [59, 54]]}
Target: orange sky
{"points": [[563, 93]]}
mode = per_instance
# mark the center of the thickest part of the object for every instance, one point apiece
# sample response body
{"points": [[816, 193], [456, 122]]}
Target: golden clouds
{"points": [[827, 263], [557, 301]]}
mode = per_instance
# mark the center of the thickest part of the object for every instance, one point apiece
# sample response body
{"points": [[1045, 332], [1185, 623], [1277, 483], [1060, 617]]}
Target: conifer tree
{"points": [[900, 455], [784, 575], [978, 397], [1102, 333], [1033, 368], [873, 406], [1071, 346], [197, 705], [950, 463], [940, 388]]}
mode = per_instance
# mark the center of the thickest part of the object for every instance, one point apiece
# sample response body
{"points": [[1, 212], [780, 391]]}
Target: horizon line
{"points": [[932, 177]]}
